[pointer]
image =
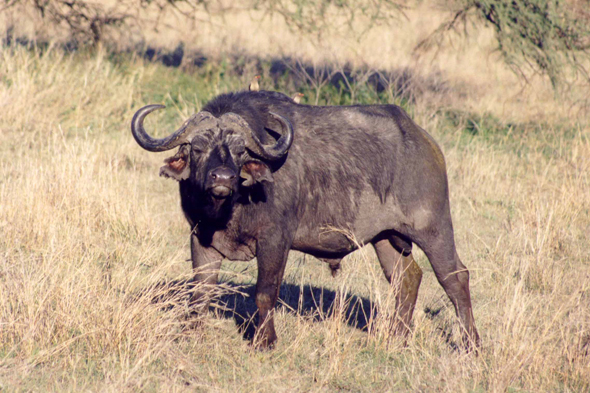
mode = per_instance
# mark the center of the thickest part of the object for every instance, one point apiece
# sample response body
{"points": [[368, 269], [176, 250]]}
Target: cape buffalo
{"points": [[260, 175]]}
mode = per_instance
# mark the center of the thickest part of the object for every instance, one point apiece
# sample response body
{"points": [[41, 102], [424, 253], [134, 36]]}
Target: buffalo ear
{"points": [[255, 171], [177, 167]]}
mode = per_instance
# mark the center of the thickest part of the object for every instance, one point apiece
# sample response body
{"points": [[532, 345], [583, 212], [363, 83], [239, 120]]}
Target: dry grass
{"points": [[89, 236]]}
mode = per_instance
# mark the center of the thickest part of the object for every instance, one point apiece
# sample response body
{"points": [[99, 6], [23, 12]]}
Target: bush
{"points": [[549, 37]]}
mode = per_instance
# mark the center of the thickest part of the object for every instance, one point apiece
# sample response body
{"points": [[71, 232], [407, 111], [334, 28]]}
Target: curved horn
{"points": [[282, 146], [272, 152], [152, 144]]}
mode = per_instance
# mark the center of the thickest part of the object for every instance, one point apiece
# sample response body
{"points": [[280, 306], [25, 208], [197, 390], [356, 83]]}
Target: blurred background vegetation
{"points": [[549, 37]]}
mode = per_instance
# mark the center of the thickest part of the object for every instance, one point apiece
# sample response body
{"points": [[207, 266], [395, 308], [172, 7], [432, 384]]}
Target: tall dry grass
{"points": [[93, 251], [82, 259]]}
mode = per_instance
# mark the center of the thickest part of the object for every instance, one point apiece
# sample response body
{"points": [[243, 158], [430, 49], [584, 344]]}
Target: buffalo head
{"points": [[217, 156]]}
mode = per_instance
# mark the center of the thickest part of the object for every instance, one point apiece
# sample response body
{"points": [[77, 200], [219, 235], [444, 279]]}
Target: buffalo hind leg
{"points": [[453, 276], [400, 269]]}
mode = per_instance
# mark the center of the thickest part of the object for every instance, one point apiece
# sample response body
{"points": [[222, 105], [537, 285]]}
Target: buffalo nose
{"points": [[222, 174]]}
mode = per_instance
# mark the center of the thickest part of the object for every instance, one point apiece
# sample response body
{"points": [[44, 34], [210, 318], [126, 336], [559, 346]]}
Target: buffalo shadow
{"points": [[313, 303], [310, 302], [237, 302]]}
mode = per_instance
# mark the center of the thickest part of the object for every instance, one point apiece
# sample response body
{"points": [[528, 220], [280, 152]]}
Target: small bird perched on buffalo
{"points": [[254, 85], [297, 97]]}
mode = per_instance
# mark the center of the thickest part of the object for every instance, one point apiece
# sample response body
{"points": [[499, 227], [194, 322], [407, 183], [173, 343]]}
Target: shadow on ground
{"points": [[404, 82], [237, 302], [310, 302]]}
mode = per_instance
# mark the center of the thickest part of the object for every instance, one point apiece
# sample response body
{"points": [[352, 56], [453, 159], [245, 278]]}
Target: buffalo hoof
{"points": [[192, 321], [264, 342], [262, 346], [472, 345]]}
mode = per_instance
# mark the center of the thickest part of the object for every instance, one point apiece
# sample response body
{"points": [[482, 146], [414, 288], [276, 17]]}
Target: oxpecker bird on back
{"points": [[254, 85], [297, 97]]}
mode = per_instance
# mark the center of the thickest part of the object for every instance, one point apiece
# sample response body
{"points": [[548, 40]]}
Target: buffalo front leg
{"points": [[272, 259], [206, 264], [404, 274]]}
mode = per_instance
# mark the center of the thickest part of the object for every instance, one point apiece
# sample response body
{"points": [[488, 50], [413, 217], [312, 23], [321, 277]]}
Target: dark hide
{"points": [[353, 175]]}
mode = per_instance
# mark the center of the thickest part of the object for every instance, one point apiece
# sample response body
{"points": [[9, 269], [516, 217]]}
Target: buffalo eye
{"points": [[200, 144], [197, 149], [239, 151]]}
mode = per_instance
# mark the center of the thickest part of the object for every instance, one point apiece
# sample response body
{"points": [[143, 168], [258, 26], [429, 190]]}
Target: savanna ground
{"points": [[90, 235]]}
